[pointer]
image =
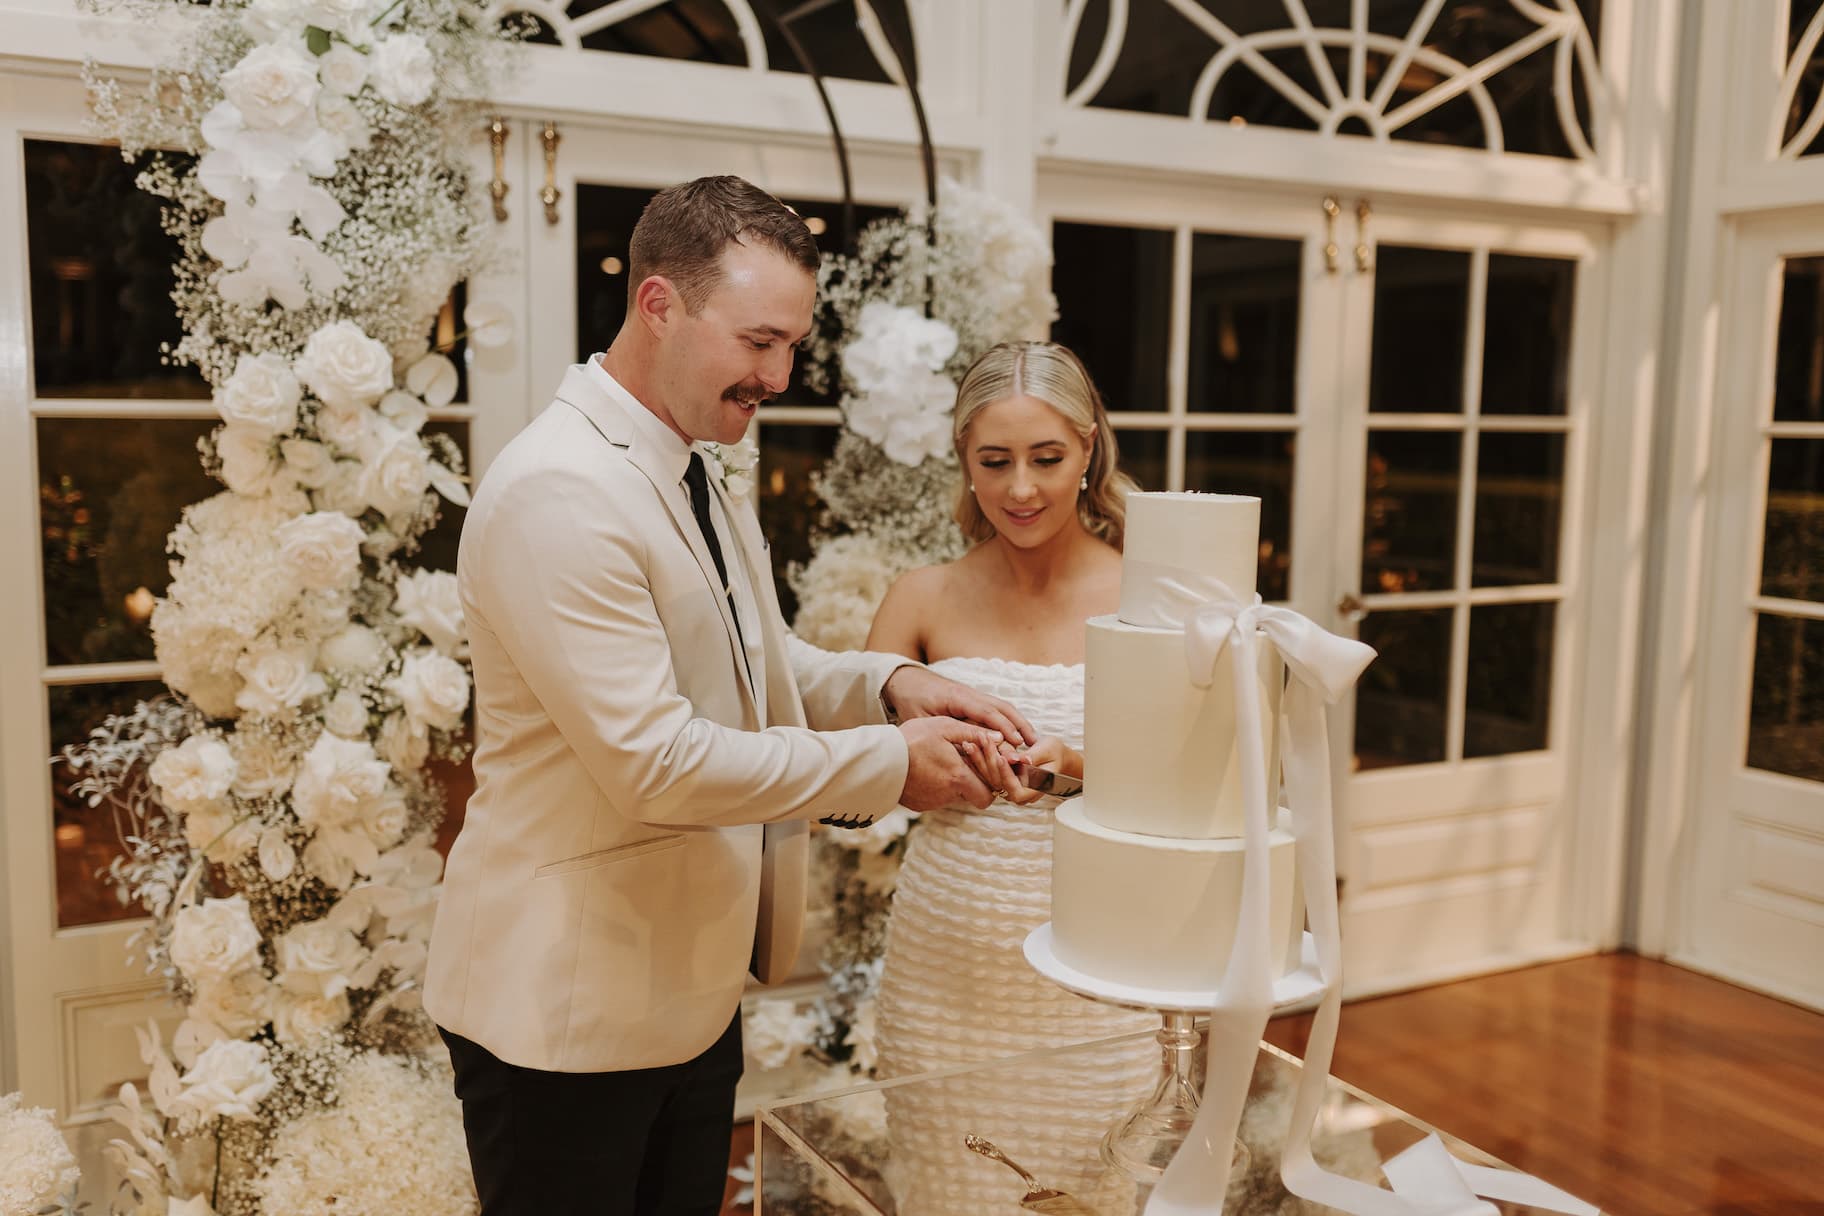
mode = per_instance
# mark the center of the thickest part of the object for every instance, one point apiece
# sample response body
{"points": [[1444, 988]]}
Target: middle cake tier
{"points": [[1161, 756]]}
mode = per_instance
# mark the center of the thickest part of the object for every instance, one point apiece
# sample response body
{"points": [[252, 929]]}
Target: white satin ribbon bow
{"points": [[1322, 668]]}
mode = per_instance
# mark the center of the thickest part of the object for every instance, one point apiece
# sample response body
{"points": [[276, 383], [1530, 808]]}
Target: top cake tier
{"points": [[1191, 538]]}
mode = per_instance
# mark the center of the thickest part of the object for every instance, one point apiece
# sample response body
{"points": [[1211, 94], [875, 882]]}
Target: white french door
{"points": [[1410, 395], [1754, 904]]}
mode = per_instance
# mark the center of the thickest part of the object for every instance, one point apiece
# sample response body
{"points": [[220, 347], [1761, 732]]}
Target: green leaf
{"points": [[316, 39]]}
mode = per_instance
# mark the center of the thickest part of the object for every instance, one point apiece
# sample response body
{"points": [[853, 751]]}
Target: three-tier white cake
{"points": [[1147, 864]]}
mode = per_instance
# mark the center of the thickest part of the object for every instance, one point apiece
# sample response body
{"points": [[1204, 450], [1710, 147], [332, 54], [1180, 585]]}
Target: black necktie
{"points": [[696, 480]]}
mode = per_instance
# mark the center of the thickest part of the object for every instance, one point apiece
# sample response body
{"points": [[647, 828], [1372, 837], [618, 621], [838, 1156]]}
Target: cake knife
{"points": [[1043, 1199], [1046, 781]]}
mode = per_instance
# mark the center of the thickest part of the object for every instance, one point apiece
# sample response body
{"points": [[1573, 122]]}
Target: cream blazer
{"points": [[613, 882]]}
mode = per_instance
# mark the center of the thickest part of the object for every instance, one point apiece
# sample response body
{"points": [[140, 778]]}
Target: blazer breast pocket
{"points": [[602, 857]]}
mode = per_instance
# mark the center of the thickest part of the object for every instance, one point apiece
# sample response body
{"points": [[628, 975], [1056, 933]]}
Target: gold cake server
{"points": [[1038, 1198]]}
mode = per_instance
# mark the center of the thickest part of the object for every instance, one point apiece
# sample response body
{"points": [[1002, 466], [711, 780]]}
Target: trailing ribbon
{"points": [[1426, 1180]]}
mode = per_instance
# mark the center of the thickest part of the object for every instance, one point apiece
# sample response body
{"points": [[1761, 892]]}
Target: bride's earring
{"points": [[972, 487], [1083, 481]]}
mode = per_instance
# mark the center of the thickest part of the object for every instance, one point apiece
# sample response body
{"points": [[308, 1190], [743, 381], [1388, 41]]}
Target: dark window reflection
{"points": [[100, 272], [437, 551], [1800, 14], [1526, 357], [1798, 379], [1244, 323], [109, 493], [705, 31], [1409, 511], [1421, 311], [1114, 289], [791, 512], [1257, 463], [1786, 716], [1401, 703], [1143, 457], [605, 216], [1508, 700], [1519, 505], [87, 839], [447, 337], [1792, 542]]}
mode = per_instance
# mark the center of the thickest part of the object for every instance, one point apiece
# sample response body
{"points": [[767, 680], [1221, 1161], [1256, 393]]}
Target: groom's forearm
{"points": [[845, 689]]}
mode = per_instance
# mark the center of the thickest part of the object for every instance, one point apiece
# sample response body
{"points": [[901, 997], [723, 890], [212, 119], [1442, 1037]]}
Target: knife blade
{"points": [[1046, 781]]}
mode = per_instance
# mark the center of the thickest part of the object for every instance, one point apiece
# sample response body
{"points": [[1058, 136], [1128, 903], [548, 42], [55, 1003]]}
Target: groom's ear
{"points": [[655, 302]]}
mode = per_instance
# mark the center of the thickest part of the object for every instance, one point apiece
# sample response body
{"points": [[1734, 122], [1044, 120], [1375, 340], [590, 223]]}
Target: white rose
{"points": [[309, 1019], [338, 781], [329, 864], [195, 774], [397, 474], [345, 17], [264, 767], [262, 393], [347, 429], [387, 821], [342, 492], [277, 860], [344, 124], [345, 367], [342, 69], [433, 688], [354, 649], [250, 462], [404, 410], [429, 601], [346, 715], [775, 1032], [217, 834], [239, 1004], [323, 549], [310, 462], [404, 742], [401, 69], [229, 1080], [215, 939], [268, 20], [273, 87], [316, 959], [278, 680]]}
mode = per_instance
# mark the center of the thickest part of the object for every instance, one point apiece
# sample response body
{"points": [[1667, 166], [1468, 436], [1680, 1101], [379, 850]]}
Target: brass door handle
{"points": [[1331, 210], [497, 189], [550, 194], [1350, 607]]}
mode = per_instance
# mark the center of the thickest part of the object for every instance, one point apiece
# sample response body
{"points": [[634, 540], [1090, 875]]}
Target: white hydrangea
{"points": [[36, 1165], [401, 69]]}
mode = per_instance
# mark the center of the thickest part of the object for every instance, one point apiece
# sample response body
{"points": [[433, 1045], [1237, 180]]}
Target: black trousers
{"points": [[647, 1142]]}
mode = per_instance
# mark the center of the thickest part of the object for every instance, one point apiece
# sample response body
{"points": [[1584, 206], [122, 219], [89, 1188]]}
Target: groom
{"points": [[651, 742]]}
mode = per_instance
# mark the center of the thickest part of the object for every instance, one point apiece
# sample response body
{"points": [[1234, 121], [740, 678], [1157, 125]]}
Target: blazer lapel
{"points": [[609, 418]]}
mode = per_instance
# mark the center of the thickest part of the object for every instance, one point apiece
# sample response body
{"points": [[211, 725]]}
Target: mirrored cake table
{"points": [[896, 1148]]}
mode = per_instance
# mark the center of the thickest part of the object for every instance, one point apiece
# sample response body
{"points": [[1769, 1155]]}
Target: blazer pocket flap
{"points": [[620, 852]]}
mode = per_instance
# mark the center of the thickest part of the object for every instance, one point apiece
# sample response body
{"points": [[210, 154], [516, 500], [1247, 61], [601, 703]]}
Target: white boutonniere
{"points": [[735, 464]]}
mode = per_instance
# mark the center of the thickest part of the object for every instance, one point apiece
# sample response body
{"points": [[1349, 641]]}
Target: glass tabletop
{"points": [[896, 1148]]}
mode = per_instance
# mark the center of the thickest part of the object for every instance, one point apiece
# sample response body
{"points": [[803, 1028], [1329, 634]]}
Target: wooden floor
{"points": [[1647, 1089]]}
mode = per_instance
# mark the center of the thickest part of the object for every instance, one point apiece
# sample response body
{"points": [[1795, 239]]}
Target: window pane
{"points": [[1811, 78], [1409, 512], [1114, 289], [704, 31], [1143, 457], [1401, 702], [437, 551], [1519, 501], [1257, 463], [1798, 377], [1244, 324], [1786, 716], [1421, 309], [100, 277], [1508, 701], [790, 509], [447, 337], [109, 492], [87, 838], [605, 216], [1792, 544], [1526, 357]]}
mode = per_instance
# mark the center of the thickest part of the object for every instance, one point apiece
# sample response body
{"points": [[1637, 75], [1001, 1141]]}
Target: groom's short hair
{"points": [[684, 229]]}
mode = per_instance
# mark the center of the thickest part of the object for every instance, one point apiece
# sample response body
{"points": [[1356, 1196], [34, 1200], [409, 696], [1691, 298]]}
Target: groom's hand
{"points": [[919, 692], [950, 763]]}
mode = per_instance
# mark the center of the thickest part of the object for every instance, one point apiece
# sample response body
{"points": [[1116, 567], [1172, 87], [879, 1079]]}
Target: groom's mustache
{"points": [[747, 394]]}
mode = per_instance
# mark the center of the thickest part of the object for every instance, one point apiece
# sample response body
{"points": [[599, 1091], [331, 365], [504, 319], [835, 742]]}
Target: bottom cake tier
{"points": [[1158, 912]]}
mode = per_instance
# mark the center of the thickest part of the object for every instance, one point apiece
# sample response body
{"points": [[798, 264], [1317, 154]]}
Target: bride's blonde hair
{"points": [[1054, 375]]}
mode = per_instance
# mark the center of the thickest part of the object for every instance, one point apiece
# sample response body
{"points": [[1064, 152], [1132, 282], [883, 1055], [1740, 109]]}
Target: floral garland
{"points": [[898, 323], [280, 815]]}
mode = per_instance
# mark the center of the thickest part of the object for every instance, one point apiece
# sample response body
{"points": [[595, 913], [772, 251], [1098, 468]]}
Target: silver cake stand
{"points": [[1146, 1139]]}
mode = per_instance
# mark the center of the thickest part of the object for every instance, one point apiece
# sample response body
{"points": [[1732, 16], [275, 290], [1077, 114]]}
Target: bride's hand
{"points": [[1050, 752]]}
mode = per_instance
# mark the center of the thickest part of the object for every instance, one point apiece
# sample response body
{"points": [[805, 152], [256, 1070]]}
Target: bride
{"points": [[1044, 503]]}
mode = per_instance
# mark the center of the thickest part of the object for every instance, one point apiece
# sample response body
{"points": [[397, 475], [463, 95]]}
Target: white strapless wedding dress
{"points": [[955, 989]]}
